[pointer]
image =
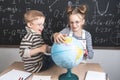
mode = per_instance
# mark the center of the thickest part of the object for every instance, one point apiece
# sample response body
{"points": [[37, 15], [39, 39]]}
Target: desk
{"points": [[55, 71]]}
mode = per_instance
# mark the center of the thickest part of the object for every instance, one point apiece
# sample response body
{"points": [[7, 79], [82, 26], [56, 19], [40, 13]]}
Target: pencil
{"points": [[20, 78]]}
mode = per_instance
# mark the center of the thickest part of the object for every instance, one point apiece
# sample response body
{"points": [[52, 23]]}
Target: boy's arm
{"points": [[26, 52], [35, 51], [25, 47], [48, 50]]}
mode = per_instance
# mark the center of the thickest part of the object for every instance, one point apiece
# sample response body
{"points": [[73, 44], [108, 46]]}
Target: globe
{"points": [[67, 55]]}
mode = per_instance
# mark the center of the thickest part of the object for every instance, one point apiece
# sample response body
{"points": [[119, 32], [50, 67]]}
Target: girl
{"points": [[76, 20]]}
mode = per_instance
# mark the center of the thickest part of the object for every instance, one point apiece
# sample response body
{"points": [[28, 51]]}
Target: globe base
{"points": [[64, 77], [68, 76]]}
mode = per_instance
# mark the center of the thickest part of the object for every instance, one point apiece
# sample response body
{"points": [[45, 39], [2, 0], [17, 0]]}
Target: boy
{"points": [[32, 47]]}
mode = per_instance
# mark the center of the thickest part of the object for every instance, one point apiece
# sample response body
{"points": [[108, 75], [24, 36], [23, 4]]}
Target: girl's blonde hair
{"points": [[81, 9]]}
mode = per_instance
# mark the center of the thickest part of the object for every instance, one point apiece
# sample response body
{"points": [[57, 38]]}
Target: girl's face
{"points": [[37, 25], [76, 22]]}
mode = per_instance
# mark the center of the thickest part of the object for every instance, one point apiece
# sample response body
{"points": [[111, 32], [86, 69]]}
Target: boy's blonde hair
{"points": [[32, 15]]}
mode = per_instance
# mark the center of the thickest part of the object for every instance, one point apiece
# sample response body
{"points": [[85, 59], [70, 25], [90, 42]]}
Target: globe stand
{"points": [[68, 76]]}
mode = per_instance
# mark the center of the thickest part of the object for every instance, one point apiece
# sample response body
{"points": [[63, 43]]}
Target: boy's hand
{"points": [[43, 48]]}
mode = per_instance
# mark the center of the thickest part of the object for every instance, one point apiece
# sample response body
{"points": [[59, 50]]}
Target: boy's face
{"points": [[37, 25]]}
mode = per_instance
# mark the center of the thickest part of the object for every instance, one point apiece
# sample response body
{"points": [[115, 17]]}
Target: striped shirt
{"points": [[30, 41]]}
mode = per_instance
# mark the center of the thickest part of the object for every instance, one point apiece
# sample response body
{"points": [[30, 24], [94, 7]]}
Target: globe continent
{"points": [[67, 54]]}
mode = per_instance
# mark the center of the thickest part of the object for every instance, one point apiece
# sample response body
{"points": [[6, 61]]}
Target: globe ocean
{"points": [[67, 54]]}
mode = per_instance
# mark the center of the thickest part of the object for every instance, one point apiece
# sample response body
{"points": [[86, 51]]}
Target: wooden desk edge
{"points": [[89, 66]]}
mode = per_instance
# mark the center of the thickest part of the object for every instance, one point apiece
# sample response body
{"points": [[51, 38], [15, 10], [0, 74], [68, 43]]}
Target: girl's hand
{"points": [[59, 38]]}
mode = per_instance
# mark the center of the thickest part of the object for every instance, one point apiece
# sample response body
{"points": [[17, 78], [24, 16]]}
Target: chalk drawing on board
{"points": [[15, 2], [50, 9], [118, 6], [1, 0], [98, 10], [77, 3], [115, 36], [69, 3]]}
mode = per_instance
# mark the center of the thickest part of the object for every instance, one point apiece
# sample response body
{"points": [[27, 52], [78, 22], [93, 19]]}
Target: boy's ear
{"points": [[29, 25], [83, 22]]}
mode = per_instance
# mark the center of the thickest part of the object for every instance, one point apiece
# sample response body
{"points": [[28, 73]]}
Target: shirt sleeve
{"points": [[25, 47], [89, 45], [63, 31], [48, 51]]}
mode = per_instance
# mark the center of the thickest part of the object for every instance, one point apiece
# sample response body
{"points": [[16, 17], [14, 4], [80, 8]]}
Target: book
{"points": [[38, 77], [95, 75], [15, 75]]}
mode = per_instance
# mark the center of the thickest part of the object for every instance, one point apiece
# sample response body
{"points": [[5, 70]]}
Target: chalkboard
{"points": [[102, 20]]}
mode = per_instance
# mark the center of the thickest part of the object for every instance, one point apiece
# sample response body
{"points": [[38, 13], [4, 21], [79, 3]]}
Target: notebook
{"points": [[95, 75], [36, 77], [15, 75]]}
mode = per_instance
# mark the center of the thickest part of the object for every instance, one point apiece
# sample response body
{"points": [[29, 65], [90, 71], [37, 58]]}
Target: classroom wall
{"points": [[108, 59]]}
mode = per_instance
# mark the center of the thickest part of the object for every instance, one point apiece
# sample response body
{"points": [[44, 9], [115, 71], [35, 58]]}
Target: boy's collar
{"points": [[30, 30]]}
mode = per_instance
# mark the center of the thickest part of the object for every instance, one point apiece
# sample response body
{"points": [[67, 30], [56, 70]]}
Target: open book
{"points": [[95, 75], [15, 75]]}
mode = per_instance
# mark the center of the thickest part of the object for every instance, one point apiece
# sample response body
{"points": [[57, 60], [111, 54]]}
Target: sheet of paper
{"points": [[94, 75], [15, 75], [37, 77]]}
